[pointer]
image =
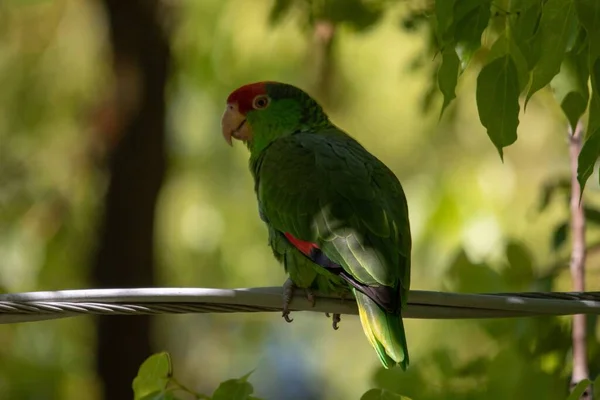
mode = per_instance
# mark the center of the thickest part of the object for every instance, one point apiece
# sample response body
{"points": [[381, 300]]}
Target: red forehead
{"points": [[244, 95]]}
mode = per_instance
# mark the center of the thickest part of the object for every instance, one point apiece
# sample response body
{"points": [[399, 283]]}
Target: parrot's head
{"points": [[261, 112]]}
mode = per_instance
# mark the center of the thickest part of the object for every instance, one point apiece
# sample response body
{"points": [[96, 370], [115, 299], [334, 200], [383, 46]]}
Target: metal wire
{"points": [[36, 306]]}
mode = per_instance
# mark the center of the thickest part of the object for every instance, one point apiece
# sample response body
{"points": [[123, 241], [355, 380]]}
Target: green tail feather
{"points": [[385, 332]]}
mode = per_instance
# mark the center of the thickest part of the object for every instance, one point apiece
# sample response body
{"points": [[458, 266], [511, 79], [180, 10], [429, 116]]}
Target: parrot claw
{"points": [[286, 316], [336, 320], [288, 292]]}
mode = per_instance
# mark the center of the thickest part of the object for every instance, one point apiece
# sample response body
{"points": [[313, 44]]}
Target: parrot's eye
{"points": [[260, 102]]}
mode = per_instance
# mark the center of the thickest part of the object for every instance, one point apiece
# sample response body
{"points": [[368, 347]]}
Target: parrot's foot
{"points": [[337, 318], [288, 292]]}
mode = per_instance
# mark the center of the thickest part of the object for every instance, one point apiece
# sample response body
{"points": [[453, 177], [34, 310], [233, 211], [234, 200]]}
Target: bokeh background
{"points": [[113, 173]]}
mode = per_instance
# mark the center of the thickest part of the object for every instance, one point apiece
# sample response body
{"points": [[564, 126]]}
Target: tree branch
{"points": [[578, 253]]}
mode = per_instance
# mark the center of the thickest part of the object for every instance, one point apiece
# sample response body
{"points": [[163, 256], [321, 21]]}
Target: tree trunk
{"points": [[132, 127]]}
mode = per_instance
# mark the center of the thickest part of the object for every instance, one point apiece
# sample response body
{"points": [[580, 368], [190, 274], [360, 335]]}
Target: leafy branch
{"points": [[532, 45], [155, 381]]}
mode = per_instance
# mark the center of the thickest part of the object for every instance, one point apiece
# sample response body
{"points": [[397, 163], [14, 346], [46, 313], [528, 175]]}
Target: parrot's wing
{"points": [[328, 190]]}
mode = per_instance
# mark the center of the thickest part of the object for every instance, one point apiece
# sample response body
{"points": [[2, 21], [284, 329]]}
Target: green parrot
{"points": [[337, 216]]}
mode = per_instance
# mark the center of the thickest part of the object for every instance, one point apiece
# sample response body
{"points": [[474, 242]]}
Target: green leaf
{"points": [[278, 10], [472, 17], [579, 389], [444, 13], [245, 377], [519, 272], [506, 46], [448, 76], [587, 158], [498, 101], [524, 25], [464, 276], [382, 394], [550, 188], [160, 395], [357, 14], [235, 389], [557, 27], [559, 236], [571, 86], [588, 13], [592, 215], [153, 375], [591, 147], [596, 387]]}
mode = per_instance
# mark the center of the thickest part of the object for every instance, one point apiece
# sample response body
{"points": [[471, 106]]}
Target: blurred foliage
{"points": [[357, 14], [475, 220], [382, 394], [155, 381]]}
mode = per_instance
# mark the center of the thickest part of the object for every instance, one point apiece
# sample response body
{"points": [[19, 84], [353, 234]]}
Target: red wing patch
{"points": [[305, 247]]}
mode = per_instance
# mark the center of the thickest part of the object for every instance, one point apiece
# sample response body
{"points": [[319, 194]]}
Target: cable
{"points": [[36, 306]]}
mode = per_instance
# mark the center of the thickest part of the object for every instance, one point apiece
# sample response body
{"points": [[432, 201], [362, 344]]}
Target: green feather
{"points": [[320, 185], [385, 331]]}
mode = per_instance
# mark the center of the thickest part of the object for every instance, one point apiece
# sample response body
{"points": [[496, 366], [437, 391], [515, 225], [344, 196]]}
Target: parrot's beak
{"points": [[233, 125]]}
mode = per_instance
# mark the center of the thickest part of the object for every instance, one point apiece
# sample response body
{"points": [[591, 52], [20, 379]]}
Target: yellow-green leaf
{"points": [[153, 375], [498, 101]]}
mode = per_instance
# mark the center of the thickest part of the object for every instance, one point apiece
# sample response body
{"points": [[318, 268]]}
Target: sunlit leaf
{"points": [[498, 101], [579, 389], [557, 26], [153, 375], [382, 394], [448, 76]]}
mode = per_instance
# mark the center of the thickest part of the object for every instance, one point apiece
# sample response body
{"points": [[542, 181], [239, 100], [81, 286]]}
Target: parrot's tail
{"points": [[384, 330]]}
